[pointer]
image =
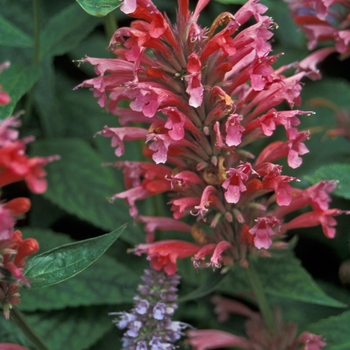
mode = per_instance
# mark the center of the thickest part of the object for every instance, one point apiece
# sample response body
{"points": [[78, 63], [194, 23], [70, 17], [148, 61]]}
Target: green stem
{"points": [[110, 25], [260, 296], [18, 319]]}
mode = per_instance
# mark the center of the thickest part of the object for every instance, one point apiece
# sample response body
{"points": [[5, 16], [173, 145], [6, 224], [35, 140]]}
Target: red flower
{"points": [[163, 254]]}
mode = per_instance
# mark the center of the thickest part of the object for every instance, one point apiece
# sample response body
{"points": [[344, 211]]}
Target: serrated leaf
{"points": [[13, 36], [72, 328], [99, 8], [16, 81], [281, 277], [340, 172], [79, 185], [286, 277], [47, 103], [65, 30], [66, 261], [335, 331]]}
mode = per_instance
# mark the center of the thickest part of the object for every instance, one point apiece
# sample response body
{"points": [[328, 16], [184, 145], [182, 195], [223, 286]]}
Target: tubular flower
{"points": [[203, 97], [15, 166], [149, 324], [323, 21], [13, 253], [258, 336]]}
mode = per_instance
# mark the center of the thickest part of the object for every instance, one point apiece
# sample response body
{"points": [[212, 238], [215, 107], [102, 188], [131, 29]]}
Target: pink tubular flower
{"points": [[262, 231], [206, 339], [325, 218], [118, 135], [15, 164], [259, 337], [205, 96], [311, 341], [10, 346]]}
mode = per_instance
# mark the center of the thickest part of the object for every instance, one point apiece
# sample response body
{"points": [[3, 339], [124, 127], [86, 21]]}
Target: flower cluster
{"points": [[15, 166], [149, 324], [258, 336], [323, 21], [203, 99]]}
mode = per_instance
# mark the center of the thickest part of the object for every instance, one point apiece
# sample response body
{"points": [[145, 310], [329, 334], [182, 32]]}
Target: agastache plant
{"points": [[206, 96], [202, 99]]}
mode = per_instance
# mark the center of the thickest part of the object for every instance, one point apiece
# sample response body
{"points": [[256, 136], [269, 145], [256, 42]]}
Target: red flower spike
{"points": [[205, 97]]}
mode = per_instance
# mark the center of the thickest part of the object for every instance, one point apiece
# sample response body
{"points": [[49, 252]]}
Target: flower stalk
{"points": [[18, 319], [258, 290]]}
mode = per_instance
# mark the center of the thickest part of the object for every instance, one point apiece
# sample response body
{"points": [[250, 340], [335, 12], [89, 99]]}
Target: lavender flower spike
{"points": [[149, 325]]}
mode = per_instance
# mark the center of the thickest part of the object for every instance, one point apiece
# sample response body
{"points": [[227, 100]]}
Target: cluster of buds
{"points": [[207, 97], [15, 166], [149, 324], [323, 21]]}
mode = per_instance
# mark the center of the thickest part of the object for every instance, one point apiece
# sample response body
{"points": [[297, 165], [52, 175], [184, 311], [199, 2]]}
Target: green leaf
{"points": [[99, 8], [66, 261], [72, 328], [13, 36], [65, 30], [335, 331], [46, 101], [340, 172], [281, 277], [79, 185], [16, 81], [113, 283]]}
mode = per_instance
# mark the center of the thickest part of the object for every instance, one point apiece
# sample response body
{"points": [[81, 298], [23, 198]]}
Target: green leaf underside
{"points": [[64, 262], [340, 172], [281, 277], [99, 8], [79, 185], [16, 81], [335, 331], [13, 36]]}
